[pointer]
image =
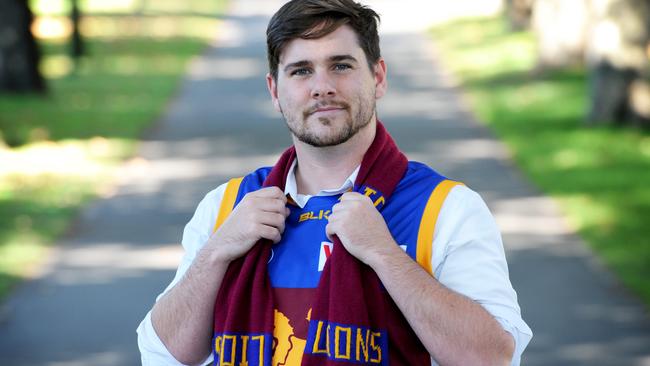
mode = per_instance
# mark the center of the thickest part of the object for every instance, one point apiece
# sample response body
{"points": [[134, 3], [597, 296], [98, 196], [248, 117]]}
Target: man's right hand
{"points": [[260, 214], [183, 317]]}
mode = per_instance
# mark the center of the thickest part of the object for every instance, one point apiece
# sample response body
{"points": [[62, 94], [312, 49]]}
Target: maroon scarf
{"points": [[353, 319]]}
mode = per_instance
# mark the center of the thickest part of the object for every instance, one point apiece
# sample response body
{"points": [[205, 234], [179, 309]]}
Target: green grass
{"points": [[115, 93], [60, 150], [599, 175]]}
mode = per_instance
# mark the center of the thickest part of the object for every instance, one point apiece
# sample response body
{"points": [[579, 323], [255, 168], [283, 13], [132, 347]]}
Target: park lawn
{"points": [[62, 149], [599, 175]]}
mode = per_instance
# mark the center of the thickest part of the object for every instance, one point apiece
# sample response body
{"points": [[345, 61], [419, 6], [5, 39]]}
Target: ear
{"points": [[381, 84], [272, 85]]}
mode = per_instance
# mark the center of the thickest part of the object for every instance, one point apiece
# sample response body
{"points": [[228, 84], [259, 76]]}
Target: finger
{"points": [[271, 233], [347, 196], [270, 219], [330, 232], [270, 192], [269, 205], [339, 207]]}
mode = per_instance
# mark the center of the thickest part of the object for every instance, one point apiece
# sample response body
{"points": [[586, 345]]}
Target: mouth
{"points": [[327, 109]]}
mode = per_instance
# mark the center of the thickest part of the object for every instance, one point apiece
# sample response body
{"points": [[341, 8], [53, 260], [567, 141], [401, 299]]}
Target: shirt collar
{"points": [[291, 188]]}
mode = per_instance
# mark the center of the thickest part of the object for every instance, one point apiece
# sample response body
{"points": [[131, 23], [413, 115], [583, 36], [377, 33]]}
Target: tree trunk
{"points": [[519, 13], [19, 55], [561, 28], [77, 42], [77, 48], [619, 62]]}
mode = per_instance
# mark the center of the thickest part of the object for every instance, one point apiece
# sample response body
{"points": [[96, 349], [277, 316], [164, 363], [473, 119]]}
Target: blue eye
{"points": [[300, 72], [342, 67]]}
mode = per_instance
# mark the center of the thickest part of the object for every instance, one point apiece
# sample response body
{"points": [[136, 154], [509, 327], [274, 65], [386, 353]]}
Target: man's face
{"points": [[324, 88]]}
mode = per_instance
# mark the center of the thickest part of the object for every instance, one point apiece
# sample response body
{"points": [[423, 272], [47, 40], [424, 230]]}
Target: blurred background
{"points": [[80, 82], [87, 87]]}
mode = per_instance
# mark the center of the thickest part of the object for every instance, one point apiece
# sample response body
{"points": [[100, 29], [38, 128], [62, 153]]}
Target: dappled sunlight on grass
{"points": [[56, 66], [599, 175], [61, 7], [115, 92], [158, 27], [482, 50], [33, 210], [61, 149], [72, 158]]}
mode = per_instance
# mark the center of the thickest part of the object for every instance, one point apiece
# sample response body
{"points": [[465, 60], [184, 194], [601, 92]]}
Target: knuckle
{"points": [[275, 191], [279, 206]]}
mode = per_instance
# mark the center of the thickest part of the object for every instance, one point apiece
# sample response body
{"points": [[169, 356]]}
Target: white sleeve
{"points": [[196, 233], [468, 257]]}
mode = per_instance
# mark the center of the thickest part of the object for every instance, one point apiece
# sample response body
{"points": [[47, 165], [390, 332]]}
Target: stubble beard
{"points": [[350, 127]]}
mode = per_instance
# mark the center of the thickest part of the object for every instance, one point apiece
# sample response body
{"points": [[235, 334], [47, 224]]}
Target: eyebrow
{"points": [[304, 63], [339, 58]]}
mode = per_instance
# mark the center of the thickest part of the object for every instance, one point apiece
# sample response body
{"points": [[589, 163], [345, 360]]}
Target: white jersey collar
{"points": [[291, 188]]}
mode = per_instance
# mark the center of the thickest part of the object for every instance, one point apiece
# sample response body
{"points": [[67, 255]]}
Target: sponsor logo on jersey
{"points": [[314, 215], [325, 252]]}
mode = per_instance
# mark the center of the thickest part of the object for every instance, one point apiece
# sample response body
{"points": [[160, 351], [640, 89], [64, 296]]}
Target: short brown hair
{"points": [[312, 19]]}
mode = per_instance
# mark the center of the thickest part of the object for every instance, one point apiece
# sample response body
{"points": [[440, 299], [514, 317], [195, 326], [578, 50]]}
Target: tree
{"points": [[77, 48], [618, 59], [561, 29], [519, 13], [612, 38], [19, 54]]}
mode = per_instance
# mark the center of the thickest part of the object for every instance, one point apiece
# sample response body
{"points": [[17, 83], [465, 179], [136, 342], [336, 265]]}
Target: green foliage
{"points": [[599, 175]]}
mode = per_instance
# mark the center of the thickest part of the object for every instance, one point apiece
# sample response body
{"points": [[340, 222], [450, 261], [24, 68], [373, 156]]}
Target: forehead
{"points": [[343, 41]]}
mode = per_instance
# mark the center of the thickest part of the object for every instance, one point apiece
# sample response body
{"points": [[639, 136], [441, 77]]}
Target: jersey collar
{"points": [[291, 188]]}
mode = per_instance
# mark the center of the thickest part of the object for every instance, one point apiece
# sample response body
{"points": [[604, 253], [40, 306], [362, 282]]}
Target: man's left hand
{"points": [[360, 227]]}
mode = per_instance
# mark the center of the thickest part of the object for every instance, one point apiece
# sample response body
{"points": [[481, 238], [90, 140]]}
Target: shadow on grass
{"points": [[117, 91], [573, 77]]}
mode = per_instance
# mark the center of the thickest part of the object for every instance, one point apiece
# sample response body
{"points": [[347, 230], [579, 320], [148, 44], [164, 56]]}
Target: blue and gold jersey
{"points": [[298, 259]]}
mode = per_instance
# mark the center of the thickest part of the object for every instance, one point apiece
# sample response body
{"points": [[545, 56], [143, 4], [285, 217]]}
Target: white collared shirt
{"points": [[467, 257], [291, 187]]}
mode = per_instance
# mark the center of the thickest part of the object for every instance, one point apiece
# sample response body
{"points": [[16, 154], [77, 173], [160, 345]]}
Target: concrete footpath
{"points": [[123, 250]]}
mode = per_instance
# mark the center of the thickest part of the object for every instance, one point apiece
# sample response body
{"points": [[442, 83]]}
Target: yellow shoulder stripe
{"points": [[228, 201], [428, 223]]}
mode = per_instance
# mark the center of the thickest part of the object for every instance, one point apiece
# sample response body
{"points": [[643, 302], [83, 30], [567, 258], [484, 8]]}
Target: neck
{"points": [[322, 168]]}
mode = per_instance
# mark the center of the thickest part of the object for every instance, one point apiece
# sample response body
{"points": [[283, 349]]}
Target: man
{"points": [[447, 289]]}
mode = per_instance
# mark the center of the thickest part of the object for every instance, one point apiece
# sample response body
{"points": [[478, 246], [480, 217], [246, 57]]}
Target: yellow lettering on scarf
{"points": [[362, 345], [217, 344], [327, 341], [319, 332], [375, 347], [244, 356], [233, 350], [260, 338], [337, 342]]}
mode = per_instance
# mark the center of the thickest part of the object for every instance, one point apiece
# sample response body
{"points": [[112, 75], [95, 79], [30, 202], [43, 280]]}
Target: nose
{"points": [[322, 86]]}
